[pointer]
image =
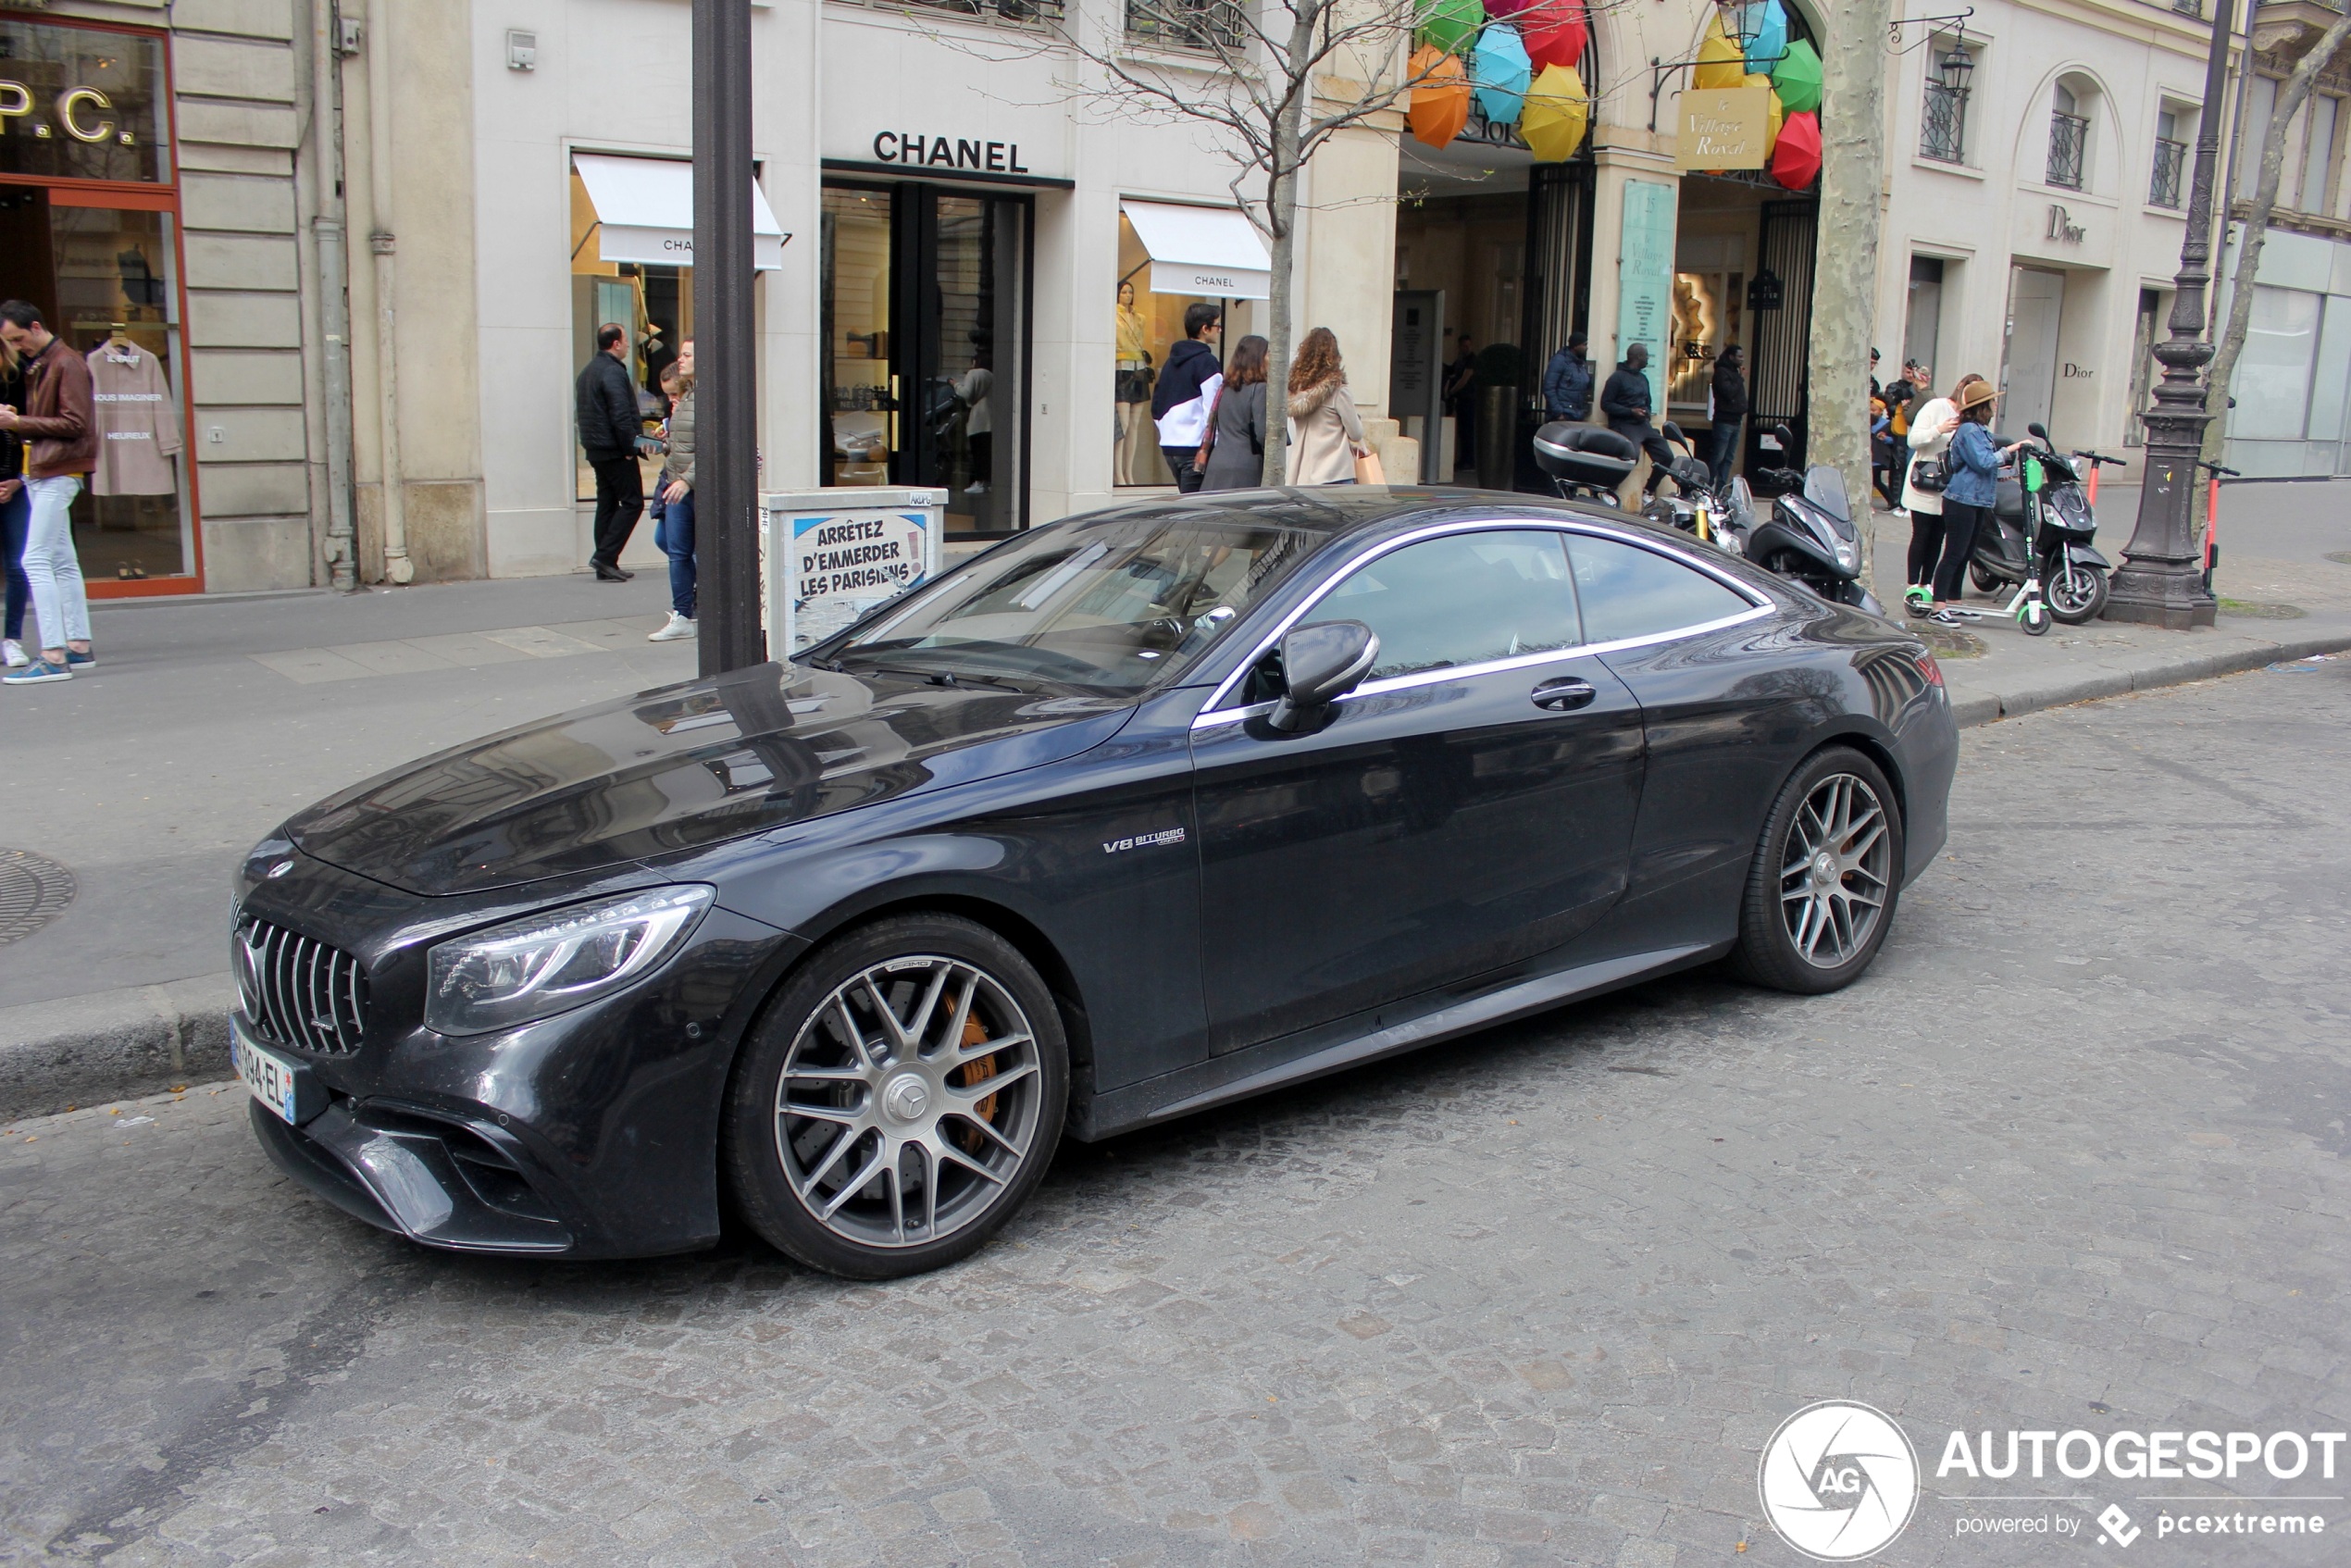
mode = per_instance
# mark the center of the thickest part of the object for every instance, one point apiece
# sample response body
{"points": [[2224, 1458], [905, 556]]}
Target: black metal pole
{"points": [[726, 390], [2161, 581]]}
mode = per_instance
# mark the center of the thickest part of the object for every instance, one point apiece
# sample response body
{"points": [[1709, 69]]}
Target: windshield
{"points": [[1114, 603]]}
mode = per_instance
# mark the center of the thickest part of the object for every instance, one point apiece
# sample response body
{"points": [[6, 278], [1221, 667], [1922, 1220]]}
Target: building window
{"points": [[1022, 11], [2188, 8], [2260, 107], [1186, 24], [1943, 135], [2318, 161], [2167, 182], [2069, 140]]}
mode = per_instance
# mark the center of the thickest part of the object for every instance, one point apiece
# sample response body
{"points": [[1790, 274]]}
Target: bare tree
{"points": [[2291, 93], [1276, 81]]}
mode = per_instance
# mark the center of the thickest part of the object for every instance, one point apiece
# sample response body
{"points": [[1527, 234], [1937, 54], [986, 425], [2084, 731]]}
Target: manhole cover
{"points": [[2252, 610], [33, 890]]}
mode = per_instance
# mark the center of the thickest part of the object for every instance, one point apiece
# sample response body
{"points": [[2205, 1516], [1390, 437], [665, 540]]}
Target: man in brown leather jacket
{"points": [[60, 428]]}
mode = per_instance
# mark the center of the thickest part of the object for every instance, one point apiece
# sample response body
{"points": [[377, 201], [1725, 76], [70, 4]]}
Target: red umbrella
{"points": [[1555, 32], [1796, 161]]}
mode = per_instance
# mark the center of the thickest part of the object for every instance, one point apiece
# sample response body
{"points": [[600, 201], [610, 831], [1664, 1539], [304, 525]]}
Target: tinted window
{"points": [[1628, 592], [1461, 600]]}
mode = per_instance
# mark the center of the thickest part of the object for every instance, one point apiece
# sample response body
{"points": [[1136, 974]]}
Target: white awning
{"points": [[1206, 251], [645, 211]]}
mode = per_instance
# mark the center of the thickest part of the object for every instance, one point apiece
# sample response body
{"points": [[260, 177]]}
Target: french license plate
{"points": [[276, 1082]]}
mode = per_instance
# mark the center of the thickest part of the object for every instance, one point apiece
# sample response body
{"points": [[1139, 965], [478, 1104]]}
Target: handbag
{"points": [[1368, 469], [1208, 442], [1930, 475]]}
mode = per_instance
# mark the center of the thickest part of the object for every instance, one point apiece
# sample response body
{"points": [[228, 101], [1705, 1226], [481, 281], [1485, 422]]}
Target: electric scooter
{"points": [[2212, 518]]}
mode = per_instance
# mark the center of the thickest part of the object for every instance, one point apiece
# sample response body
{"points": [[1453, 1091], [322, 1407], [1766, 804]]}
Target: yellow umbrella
{"points": [[1557, 112], [1440, 106], [1720, 61], [1778, 111]]}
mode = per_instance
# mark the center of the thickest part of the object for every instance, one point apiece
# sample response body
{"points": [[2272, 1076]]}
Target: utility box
{"points": [[827, 556]]}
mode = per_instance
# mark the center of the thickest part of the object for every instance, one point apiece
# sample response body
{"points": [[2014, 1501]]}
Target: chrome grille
{"points": [[300, 992]]}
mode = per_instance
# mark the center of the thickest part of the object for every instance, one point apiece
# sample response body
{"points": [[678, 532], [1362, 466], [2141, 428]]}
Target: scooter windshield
{"points": [[1824, 488]]}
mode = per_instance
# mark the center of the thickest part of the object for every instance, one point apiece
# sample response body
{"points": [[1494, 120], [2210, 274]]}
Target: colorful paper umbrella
{"points": [[1798, 78], [1765, 27], [1499, 71], [1774, 116], [1449, 24], [1719, 63], [1497, 9], [1555, 32], [1796, 162], [1557, 112], [1441, 100]]}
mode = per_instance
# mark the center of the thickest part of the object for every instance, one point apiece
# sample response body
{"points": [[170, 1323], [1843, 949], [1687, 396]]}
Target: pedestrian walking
{"points": [[16, 512], [1461, 401], [1567, 383], [675, 491], [979, 428], [609, 428], [1235, 455], [1326, 433], [1727, 404], [1625, 402], [1186, 387], [1933, 423], [1967, 499], [58, 423]]}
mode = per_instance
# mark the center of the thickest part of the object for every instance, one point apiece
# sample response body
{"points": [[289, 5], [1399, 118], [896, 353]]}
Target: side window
{"points": [[1463, 599], [1628, 592]]}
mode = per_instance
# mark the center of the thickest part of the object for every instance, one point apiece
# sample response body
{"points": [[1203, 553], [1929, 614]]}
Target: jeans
{"points": [[1726, 448], [1960, 522], [677, 541], [620, 500], [50, 569], [1180, 463], [15, 517], [1926, 545]]}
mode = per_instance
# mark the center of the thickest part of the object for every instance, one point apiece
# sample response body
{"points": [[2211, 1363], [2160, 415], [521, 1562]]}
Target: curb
{"points": [[115, 1045]]}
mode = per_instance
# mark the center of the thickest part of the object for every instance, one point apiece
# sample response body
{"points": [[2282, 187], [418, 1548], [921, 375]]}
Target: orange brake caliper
{"points": [[975, 1033]]}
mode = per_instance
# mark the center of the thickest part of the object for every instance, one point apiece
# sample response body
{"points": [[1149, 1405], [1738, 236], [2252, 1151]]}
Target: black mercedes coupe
{"points": [[1133, 814]]}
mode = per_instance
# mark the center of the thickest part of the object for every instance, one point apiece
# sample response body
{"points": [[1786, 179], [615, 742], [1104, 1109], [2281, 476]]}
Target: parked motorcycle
{"points": [[1809, 536], [1584, 462], [1694, 506], [2041, 541]]}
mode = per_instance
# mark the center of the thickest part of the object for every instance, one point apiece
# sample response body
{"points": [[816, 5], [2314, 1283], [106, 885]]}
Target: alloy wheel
{"points": [[1835, 876], [909, 1102]]}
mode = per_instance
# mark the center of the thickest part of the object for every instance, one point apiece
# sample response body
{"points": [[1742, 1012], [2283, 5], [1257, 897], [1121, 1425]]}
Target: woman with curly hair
{"points": [[1326, 433]]}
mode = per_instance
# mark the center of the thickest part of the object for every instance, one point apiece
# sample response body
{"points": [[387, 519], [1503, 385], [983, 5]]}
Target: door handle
{"points": [[1563, 696]]}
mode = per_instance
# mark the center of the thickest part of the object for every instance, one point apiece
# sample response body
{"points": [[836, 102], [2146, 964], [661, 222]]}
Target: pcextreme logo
{"points": [[1839, 1480]]}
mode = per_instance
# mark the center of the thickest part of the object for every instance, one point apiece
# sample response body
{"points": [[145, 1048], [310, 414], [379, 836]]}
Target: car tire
{"points": [[902, 1146], [1831, 843]]}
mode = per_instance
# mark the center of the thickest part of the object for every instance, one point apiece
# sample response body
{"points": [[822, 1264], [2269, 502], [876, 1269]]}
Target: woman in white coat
{"points": [[1931, 429]]}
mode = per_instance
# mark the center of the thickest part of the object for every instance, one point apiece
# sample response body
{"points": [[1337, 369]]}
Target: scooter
{"points": [[1810, 537], [2212, 515], [2041, 541], [1584, 462]]}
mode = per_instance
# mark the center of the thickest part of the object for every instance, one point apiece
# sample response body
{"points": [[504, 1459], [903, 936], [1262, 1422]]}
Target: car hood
{"points": [[683, 767]]}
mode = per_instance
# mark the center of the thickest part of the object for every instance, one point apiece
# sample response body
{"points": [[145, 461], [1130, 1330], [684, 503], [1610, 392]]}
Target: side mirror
{"points": [[1787, 437], [1673, 432], [1320, 665], [2039, 429]]}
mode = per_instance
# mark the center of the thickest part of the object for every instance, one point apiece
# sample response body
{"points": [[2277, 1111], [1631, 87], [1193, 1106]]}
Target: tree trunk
{"points": [[1845, 265], [1280, 334], [2291, 97]]}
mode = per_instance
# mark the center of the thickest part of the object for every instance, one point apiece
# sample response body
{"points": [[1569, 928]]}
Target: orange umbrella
{"points": [[1557, 112], [1440, 104]]}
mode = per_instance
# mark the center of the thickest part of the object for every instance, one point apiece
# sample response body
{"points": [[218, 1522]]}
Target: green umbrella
{"points": [[1797, 77], [1450, 24]]}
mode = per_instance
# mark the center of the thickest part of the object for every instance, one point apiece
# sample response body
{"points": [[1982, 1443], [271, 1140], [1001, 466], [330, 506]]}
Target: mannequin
{"points": [[1136, 441]]}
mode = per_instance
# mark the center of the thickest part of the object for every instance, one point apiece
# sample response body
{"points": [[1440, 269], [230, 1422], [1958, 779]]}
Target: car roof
{"points": [[1335, 510]]}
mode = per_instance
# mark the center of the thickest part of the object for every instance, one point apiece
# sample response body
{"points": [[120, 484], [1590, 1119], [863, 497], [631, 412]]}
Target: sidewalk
{"points": [[212, 720]]}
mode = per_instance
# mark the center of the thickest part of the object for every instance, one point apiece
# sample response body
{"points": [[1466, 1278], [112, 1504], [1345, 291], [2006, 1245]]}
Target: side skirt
{"points": [[1247, 1072]]}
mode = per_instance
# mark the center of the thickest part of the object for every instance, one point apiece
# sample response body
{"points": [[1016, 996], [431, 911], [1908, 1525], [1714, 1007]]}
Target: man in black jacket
{"points": [[1730, 412], [1626, 401], [609, 426]]}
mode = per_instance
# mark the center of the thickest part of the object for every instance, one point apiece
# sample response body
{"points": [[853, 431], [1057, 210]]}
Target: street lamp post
{"points": [[726, 429], [2161, 581]]}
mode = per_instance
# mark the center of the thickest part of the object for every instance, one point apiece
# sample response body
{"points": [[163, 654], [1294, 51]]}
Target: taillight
{"points": [[1929, 668]]}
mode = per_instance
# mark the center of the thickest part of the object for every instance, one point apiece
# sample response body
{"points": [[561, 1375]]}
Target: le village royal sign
{"points": [[917, 151]]}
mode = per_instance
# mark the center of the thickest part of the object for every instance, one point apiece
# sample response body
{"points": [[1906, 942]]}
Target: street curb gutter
{"points": [[115, 1045]]}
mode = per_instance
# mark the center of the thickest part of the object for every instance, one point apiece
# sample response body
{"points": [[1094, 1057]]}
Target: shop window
{"points": [[654, 302], [2272, 385], [2318, 157], [1147, 326], [79, 103], [1706, 318]]}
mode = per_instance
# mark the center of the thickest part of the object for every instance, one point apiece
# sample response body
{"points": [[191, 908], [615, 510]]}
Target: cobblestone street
{"points": [[2070, 1157]]}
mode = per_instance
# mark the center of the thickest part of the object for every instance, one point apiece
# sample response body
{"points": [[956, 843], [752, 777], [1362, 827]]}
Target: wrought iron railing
{"points": [[2167, 180], [1030, 11], [2188, 8], [1944, 137], [1185, 24], [2069, 140]]}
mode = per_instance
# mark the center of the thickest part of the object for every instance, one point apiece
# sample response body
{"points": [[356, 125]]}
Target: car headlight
{"points": [[557, 959]]}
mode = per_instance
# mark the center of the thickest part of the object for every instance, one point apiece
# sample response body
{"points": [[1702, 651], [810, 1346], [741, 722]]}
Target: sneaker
{"points": [[676, 630], [1945, 617], [80, 661], [12, 654], [38, 672]]}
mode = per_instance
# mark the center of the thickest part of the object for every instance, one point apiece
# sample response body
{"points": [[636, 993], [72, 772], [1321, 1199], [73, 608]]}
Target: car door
{"points": [[1469, 806]]}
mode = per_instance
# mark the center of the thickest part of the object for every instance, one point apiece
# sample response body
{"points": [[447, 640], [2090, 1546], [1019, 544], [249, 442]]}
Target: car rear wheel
{"points": [[900, 1099], [1820, 894]]}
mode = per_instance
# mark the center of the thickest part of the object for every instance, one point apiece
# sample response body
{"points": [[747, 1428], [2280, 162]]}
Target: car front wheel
{"points": [[1821, 892], [900, 1099]]}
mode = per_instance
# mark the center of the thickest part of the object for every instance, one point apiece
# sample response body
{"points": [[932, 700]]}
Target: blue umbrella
{"points": [[1765, 27], [1499, 68]]}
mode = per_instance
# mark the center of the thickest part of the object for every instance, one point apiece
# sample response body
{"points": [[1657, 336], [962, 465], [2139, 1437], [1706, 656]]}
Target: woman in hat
{"points": [[1967, 500]]}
